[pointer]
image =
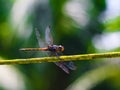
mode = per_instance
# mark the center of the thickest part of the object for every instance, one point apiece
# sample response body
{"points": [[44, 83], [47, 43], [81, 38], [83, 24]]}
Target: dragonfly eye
{"points": [[61, 48]]}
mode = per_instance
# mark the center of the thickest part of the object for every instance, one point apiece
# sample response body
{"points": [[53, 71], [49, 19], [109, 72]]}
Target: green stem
{"points": [[62, 58]]}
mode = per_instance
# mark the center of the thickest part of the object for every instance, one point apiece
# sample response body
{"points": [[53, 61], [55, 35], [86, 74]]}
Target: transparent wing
{"points": [[70, 65], [40, 41], [60, 64], [48, 36]]}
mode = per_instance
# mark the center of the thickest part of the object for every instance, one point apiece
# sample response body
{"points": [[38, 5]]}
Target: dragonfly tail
{"points": [[33, 49]]}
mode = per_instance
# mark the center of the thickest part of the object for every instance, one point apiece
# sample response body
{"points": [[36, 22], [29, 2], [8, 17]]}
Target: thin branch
{"points": [[62, 58]]}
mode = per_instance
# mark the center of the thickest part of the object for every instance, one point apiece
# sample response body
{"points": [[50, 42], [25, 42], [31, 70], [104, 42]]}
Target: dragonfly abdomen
{"points": [[34, 49]]}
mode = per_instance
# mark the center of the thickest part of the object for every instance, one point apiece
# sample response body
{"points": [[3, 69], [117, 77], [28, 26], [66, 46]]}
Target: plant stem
{"points": [[62, 58]]}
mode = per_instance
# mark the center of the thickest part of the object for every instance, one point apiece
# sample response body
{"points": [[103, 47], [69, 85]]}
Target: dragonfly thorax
{"points": [[56, 48]]}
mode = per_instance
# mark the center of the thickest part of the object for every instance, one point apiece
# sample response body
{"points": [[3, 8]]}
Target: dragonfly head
{"points": [[60, 48], [55, 48]]}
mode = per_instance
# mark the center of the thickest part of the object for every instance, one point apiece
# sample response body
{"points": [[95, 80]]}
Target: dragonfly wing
{"points": [[62, 66], [70, 65], [40, 41], [48, 36]]}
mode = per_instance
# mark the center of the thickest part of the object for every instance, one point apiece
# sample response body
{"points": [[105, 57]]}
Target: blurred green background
{"points": [[81, 26]]}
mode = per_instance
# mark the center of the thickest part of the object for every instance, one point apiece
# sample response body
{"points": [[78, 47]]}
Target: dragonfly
{"points": [[53, 50]]}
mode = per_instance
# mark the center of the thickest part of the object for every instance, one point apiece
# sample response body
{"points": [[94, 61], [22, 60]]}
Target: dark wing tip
{"points": [[49, 26]]}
